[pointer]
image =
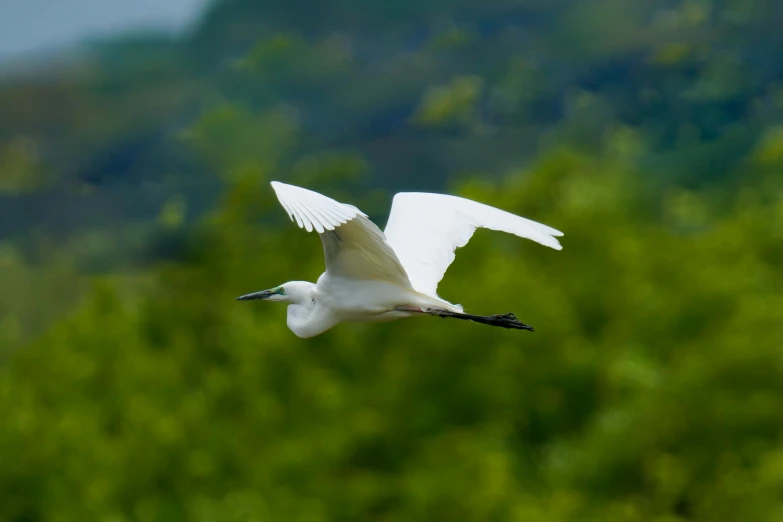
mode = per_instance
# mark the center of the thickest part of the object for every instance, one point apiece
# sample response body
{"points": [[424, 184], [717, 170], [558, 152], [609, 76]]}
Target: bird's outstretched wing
{"points": [[353, 246], [425, 230]]}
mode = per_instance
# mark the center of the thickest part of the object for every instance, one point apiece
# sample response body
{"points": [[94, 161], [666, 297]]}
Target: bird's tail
{"points": [[437, 302]]}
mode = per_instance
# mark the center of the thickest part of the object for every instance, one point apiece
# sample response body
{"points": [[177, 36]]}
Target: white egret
{"points": [[374, 276]]}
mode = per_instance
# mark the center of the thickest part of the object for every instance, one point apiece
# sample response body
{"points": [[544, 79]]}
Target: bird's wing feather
{"points": [[425, 230], [312, 210], [354, 247]]}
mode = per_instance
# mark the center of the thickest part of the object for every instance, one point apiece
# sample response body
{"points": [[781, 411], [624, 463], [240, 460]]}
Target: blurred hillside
{"points": [[135, 206], [420, 92]]}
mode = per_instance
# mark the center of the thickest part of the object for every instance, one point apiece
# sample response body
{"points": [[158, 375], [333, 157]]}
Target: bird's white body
{"points": [[375, 276], [335, 300]]}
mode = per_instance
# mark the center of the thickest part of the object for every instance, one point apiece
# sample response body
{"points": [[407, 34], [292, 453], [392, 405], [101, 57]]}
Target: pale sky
{"points": [[33, 25]]}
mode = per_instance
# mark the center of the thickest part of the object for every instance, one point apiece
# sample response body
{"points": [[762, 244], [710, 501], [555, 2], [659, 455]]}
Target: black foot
{"points": [[503, 320]]}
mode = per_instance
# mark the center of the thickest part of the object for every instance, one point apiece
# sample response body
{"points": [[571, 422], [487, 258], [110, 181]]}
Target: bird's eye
{"points": [[280, 290]]}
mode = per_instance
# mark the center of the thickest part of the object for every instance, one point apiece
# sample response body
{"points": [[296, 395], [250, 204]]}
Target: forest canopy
{"points": [[135, 207]]}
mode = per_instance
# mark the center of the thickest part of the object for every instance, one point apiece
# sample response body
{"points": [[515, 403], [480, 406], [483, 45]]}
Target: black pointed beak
{"points": [[263, 294]]}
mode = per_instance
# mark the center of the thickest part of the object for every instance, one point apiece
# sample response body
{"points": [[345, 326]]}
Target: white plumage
{"points": [[426, 229], [381, 276], [312, 210]]}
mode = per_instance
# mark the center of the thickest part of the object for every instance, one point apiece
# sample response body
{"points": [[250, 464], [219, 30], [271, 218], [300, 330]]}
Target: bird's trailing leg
{"points": [[503, 320]]}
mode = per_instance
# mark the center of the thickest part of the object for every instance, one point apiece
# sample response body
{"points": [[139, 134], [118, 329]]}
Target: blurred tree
{"points": [[20, 169], [648, 392], [133, 387]]}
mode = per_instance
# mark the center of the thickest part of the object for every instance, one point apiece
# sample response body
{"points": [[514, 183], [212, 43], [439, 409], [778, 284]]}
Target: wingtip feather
{"points": [[548, 240], [311, 210]]}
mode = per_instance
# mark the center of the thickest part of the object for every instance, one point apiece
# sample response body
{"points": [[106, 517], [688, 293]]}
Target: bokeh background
{"points": [[135, 206]]}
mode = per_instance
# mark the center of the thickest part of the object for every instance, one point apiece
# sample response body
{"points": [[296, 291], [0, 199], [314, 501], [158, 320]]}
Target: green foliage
{"points": [[650, 390], [233, 139], [686, 73], [135, 208], [20, 170], [454, 103]]}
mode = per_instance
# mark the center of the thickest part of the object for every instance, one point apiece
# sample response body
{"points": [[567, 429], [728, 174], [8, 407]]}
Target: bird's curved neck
{"points": [[305, 317]]}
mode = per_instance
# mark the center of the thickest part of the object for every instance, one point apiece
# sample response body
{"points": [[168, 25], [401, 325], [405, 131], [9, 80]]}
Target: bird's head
{"points": [[291, 292]]}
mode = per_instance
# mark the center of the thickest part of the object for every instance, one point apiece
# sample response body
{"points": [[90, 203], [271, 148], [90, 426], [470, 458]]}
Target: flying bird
{"points": [[379, 276]]}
